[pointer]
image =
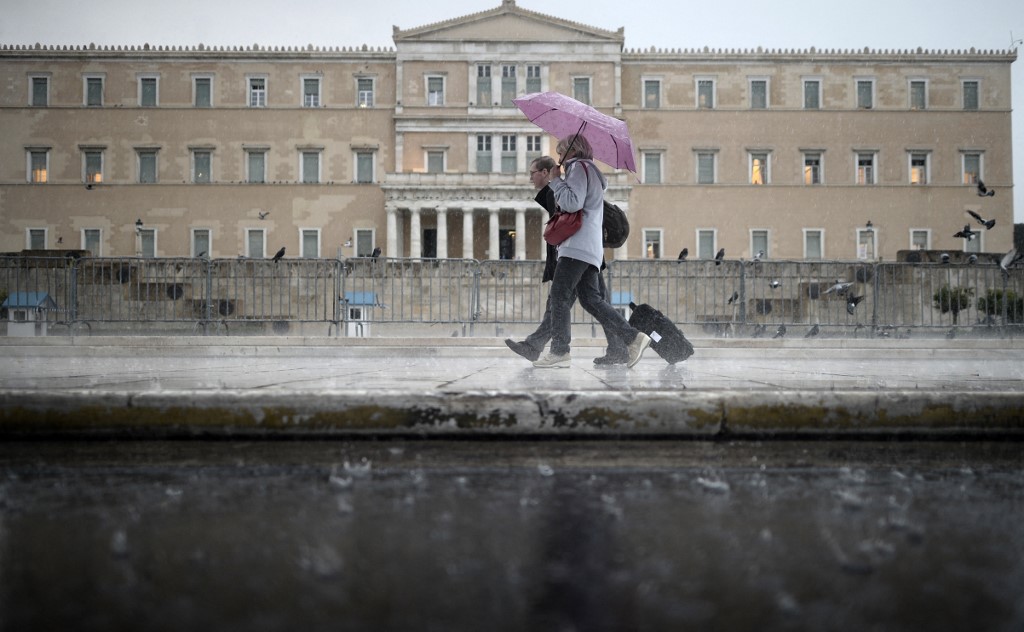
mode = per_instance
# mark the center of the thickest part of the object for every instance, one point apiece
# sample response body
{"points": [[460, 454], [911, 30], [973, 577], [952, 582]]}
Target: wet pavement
{"points": [[511, 535]]}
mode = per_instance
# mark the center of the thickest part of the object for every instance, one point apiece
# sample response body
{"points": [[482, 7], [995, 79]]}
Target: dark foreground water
{"points": [[566, 535]]}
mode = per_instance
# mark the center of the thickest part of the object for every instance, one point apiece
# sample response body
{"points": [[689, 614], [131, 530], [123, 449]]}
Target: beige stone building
{"points": [[418, 150]]}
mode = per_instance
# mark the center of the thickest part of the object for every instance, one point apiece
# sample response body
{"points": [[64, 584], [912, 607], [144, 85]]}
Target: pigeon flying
{"points": [[987, 223], [720, 256], [774, 284], [852, 304], [839, 288], [1008, 260], [966, 233], [280, 253], [984, 191], [734, 297]]}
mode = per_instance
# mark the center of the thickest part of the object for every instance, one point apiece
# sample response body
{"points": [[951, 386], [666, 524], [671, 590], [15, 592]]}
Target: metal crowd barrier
{"points": [[352, 296]]}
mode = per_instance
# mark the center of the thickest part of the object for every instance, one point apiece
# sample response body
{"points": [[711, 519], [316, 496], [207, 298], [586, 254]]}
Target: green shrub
{"points": [[992, 304], [953, 299]]}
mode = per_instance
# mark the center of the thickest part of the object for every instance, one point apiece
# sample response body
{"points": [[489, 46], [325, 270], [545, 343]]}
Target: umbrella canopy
{"points": [[563, 116]]}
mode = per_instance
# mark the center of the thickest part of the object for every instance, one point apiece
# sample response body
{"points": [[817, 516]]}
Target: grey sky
{"points": [[893, 24]]}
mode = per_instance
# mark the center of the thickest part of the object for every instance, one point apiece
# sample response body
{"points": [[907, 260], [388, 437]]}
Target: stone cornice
{"points": [[815, 54]]}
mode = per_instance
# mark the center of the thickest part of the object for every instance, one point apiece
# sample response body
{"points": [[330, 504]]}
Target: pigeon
{"points": [[780, 332], [987, 223], [839, 288], [973, 259], [201, 255], [720, 256], [812, 332], [735, 296], [944, 257], [280, 253], [263, 215], [759, 330], [951, 333], [1008, 260], [984, 191], [774, 284], [852, 303], [966, 233], [759, 255], [903, 336], [376, 252], [683, 254]]}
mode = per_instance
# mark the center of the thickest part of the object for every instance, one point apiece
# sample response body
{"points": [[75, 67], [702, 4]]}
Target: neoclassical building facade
{"points": [[418, 150]]}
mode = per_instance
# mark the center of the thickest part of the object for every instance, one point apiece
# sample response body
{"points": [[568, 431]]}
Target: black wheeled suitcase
{"points": [[666, 339]]}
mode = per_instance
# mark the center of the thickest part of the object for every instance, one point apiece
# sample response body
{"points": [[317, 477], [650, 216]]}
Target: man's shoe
{"points": [[637, 347], [553, 361], [611, 358], [523, 349]]}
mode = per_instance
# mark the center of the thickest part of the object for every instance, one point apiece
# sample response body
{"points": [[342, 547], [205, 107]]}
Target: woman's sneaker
{"points": [[553, 361], [637, 347]]}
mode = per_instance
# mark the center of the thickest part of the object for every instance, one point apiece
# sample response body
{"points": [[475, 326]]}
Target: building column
{"points": [[492, 234], [442, 233], [415, 234], [521, 234], [392, 237], [467, 233], [622, 252]]}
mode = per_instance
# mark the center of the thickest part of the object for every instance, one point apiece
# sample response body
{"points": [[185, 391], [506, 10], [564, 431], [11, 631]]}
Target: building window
{"points": [[652, 243], [971, 94], [532, 148], [364, 163], [256, 166], [812, 168], [706, 243], [971, 167], [533, 83], [759, 168], [35, 239], [483, 85], [92, 240], [759, 243], [508, 153], [202, 92], [309, 243], [652, 167], [758, 94], [200, 242], [918, 94], [652, 94], [865, 94], [364, 92], [508, 85], [435, 161], [39, 165], [94, 91], [484, 163], [581, 89], [201, 164], [705, 93], [147, 242], [147, 166], [812, 94], [309, 163], [435, 90], [311, 92], [866, 244], [705, 167], [364, 242], [814, 243], [866, 168], [39, 91], [920, 239], [919, 168], [148, 92], [257, 92], [255, 243], [92, 165]]}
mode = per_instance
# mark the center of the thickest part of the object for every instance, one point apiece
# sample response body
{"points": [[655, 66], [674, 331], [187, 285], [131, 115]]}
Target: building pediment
{"points": [[506, 23]]}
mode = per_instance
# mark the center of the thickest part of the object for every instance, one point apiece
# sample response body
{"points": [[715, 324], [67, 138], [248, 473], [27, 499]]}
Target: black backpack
{"points": [[615, 229]]}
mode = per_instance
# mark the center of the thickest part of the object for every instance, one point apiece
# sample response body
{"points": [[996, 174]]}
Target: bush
{"points": [[953, 299], [993, 301]]}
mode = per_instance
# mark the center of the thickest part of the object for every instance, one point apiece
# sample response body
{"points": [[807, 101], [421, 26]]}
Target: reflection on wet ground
{"points": [[511, 535]]}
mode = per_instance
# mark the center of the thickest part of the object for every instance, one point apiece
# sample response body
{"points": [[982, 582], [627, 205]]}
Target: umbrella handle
{"points": [[573, 141]]}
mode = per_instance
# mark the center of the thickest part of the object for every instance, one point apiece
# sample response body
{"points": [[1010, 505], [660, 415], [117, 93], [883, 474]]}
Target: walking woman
{"points": [[579, 258]]}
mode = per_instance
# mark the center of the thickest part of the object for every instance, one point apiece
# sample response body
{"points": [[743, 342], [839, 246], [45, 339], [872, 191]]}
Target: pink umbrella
{"points": [[563, 116]]}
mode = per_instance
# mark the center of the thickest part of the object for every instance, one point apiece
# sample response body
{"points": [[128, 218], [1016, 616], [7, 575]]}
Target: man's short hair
{"points": [[544, 163]]}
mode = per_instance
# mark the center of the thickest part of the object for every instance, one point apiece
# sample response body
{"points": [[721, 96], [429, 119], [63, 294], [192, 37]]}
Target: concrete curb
{"points": [[704, 414]]}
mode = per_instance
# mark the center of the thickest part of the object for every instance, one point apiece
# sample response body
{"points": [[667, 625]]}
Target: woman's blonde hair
{"points": [[579, 144]]}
